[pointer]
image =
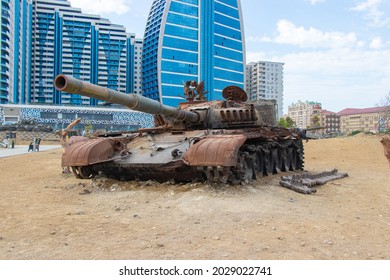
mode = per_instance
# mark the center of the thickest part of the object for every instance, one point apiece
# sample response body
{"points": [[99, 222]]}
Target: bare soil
{"points": [[47, 215]]}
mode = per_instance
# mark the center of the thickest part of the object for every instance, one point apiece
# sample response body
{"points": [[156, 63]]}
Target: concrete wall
{"points": [[29, 136]]}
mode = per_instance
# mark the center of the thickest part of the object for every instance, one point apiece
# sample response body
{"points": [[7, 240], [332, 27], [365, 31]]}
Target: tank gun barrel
{"points": [[315, 128], [133, 101]]}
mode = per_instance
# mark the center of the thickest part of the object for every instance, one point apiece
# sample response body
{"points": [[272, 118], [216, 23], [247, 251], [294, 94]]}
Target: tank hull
{"points": [[222, 156]]}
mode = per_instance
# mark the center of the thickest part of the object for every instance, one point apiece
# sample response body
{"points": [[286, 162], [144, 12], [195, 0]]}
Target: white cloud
{"points": [[346, 62], [338, 78], [102, 7], [255, 56], [288, 33], [369, 4], [376, 43], [313, 2], [373, 13]]}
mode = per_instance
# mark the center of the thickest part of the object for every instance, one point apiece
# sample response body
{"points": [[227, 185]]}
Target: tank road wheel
{"points": [[83, 172], [259, 163], [284, 164], [243, 172], [268, 163], [288, 158], [76, 172], [300, 156], [248, 168], [87, 172], [293, 154], [277, 160]]}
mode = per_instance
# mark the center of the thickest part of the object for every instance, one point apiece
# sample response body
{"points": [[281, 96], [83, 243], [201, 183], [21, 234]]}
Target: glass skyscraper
{"points": [[6, 49], [42, 38], [134, 64], [87, 47], [15, 45], [197, 40]]}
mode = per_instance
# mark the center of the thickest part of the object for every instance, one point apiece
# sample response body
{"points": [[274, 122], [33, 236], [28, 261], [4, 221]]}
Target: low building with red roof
{"points": [[375, 119]]}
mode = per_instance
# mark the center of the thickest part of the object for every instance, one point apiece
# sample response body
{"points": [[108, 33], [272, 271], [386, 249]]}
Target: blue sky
{"points": [[336, 52]]}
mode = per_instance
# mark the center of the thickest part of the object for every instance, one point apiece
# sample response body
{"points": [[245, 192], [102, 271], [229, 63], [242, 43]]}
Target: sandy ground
{"points": [[47, 215]]}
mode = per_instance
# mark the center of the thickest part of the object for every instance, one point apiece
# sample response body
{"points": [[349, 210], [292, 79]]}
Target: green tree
{"points": [[385, 102], [290, 122], [315, 120], [282, 122], [286, 122]]}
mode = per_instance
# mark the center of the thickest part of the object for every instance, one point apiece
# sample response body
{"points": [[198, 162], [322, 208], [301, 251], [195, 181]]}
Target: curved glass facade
{"points": [[199, 40], [150, 47]]}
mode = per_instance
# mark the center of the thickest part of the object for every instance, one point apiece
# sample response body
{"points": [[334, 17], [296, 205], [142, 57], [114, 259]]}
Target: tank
{"points": [[224, 141]]}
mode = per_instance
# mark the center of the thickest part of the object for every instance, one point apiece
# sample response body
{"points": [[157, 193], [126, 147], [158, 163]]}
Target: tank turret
{"points": [[197, 113], [223, 141]]}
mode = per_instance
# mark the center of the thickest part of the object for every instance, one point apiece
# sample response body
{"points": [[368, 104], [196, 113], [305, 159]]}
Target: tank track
{"points": [[304, 183], [256, 160]]}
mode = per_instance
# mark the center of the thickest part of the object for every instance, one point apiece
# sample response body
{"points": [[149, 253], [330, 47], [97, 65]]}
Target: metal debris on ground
{"points": [[386, 146], [304, 183]]}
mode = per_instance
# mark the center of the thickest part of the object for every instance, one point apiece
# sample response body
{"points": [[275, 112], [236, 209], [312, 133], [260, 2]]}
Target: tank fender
{"points": [[93, 151], [216, 150]]}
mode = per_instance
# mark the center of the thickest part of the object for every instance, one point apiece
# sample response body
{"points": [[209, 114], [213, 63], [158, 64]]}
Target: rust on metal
{"points": [[91, 152], [234, 93], [220, 150], [304, 183], [194, 91], [386, 146]]}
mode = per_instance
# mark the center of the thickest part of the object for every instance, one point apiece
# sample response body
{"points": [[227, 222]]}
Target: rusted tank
{"points": [[217, 141], [386, 146]]}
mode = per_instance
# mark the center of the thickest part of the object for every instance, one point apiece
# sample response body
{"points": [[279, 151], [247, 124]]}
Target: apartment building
{"points": [[330, 121], [302, 112], [15, 45], [264, 80], [134, 64], [42, 38], [67, 41], [376, 119]]}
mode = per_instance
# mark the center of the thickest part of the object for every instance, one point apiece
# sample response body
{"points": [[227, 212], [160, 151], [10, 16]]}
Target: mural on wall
{"points": [[65, 116], [57, 118]]}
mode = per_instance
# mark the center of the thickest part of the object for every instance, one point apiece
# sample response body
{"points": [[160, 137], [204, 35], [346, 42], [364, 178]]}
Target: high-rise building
{"points": [[264, 80], [6, 50], [134, 64], [15, 30], [87, 47], [42, 38], [302, 112], [192, 40]]}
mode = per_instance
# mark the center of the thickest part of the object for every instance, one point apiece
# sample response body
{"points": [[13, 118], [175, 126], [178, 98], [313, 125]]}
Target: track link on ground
{"points": [[304, 183]]}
